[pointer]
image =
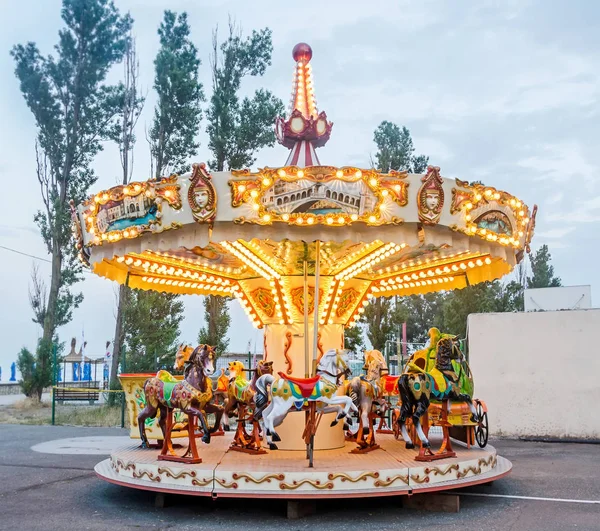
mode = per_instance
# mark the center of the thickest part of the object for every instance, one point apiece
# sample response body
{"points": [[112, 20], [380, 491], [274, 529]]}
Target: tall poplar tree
{"points": [[71, 105], [542, 273], [237, 128]]}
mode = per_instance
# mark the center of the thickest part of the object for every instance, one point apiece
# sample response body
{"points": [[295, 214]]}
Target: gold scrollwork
{"points": [[313, 483], [201, 482], [361, 477], [141, 473], [250, 479], [465, 471], [286, 347], [391, 479], [223, 483], [119, 464], [418, 479], [441, 472], [169, 473]]}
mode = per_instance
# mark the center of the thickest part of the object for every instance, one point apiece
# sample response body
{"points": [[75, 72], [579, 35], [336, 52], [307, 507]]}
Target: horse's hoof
{"points": [[346, 426], [144, 445], [275, 437], [334, 423], [273, 446], [206, 439], [410, 446], [226, 427], [349, 421], [427, 445], [342, 415], [475, 418]]}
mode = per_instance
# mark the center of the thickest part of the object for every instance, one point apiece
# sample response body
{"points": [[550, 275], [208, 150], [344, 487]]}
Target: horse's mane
{"points": [[377, 356]]}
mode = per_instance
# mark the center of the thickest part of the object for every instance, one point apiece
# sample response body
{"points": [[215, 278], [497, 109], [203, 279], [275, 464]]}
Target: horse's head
{"points": [[374, 361], [183, 355], [335, 363], [203, 358], [448, 348], [236, 368], [264, 367]]}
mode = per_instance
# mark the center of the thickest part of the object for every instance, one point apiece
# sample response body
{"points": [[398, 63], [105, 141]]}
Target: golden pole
{"points": [[306, 352], [316, 300]]}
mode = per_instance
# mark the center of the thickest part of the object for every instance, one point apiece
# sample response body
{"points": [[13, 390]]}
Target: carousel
{"points": [[304, 248]]}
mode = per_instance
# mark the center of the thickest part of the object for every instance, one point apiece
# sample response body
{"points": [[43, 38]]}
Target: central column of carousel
{"points": [[295, 350]]}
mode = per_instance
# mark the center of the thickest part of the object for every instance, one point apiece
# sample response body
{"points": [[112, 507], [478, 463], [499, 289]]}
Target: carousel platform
{"points": [[388, 471]]}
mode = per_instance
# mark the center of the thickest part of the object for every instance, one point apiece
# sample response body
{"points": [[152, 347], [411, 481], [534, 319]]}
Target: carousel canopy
{"points": [[248, 234]]}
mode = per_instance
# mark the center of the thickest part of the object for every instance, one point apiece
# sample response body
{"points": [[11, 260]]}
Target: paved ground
{"points": [[53, 491]]}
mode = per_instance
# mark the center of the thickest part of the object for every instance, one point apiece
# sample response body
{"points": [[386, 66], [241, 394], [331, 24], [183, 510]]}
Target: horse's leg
{"points": [[345, 402], [420, 410], [198, 412], [226, 411], [148, 412], [279, 412], [469, 401], [218, 411]]}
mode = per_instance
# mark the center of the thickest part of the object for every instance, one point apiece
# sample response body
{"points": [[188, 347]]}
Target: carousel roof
{"points": [[247, 234]]}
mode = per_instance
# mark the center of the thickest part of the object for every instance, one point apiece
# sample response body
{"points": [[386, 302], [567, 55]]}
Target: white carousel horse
{"points": [[286, 392]]}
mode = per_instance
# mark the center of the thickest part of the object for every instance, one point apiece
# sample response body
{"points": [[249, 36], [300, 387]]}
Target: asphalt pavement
{"points": [[52, 491]]}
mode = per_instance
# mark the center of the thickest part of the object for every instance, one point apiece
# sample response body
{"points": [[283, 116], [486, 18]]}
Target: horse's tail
{"points": [[355, 390], [263, 382]]}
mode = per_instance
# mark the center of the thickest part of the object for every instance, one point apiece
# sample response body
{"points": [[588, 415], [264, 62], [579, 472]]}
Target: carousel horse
{"points": [[417, 386], [192, 395], [365, 394], [243, 396], [319, 393]]}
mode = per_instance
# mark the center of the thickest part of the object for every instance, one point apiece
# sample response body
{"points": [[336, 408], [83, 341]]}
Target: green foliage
{"points": [[216, 314], [420, 313], [73, 110], [379, 319], [37, 372], [395, 150], [178, 111], [542, 273], [354, 339], [151, 325], [237, 130]]}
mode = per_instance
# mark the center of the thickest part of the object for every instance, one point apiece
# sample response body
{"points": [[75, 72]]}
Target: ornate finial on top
{"points": [[305, 128]]}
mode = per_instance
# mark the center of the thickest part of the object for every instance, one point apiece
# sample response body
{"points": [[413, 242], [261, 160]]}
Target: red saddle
{"points": [[389, 383], [306, 385]]}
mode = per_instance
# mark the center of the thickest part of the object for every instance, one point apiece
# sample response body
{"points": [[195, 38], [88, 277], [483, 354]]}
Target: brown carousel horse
{"points": [[192, 395], [244, 395]]}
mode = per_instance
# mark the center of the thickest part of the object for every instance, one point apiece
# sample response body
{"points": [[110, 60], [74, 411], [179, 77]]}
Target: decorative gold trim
{"points": [[440, 472], [250, 479], [392, 479], [286, 347], [166, 189], [223, 483], [418, 479], [119, 464], [460, 198], [202, 482], [313, 483], [432, 185], [201, 179], [148, 474], [169, 473], [250, 192], [361, 477]]}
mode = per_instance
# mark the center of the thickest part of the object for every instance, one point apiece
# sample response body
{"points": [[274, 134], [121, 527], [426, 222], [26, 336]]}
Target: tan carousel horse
{"points": [[249, 402]]}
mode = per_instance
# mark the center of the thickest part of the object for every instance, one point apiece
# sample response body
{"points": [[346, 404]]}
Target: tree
{"points": [[129, 104], [395, 150], [216, 315], [354, 340], [70, 102], [178, 112], [379, 320], [542, 273], [152, 322], [236, 130], [420, 313]]}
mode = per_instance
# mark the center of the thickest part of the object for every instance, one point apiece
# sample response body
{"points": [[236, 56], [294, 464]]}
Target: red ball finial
{"points": [[302, 52]]}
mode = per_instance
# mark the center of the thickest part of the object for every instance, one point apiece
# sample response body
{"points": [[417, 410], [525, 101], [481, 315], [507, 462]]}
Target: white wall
{"points": [[538, 372], [562, 298]]}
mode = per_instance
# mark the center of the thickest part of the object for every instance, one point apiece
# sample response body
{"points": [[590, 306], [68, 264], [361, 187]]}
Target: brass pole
{"points": [[306, 351], [316, 301]]}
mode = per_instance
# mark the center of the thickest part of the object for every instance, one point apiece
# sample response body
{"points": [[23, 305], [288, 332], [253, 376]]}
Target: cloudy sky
{"points": [[503, 92]]}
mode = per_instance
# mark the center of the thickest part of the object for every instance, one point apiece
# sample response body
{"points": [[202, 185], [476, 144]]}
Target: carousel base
{"points": [[389, 471]]}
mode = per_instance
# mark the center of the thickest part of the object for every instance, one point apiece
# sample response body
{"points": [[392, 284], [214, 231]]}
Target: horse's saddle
{"points": [[166, 376], [389, 384], [306, 385]]}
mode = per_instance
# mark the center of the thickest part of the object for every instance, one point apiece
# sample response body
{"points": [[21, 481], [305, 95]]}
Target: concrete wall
{"points": [[539, 373]]}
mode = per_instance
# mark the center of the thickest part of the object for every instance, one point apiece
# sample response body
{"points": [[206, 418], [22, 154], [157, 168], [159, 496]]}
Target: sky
{"points": [[502, 92]]}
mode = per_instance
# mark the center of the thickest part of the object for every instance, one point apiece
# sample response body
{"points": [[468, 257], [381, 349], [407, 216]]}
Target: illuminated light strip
{"points": [[257, 250], [366, 250], [192, 263], [360, 307], [415, 284], [279, 306], [256, 260], [371, 259], [333, 290], [246, 259], [189, 284], [420, 265], [251, 312]]}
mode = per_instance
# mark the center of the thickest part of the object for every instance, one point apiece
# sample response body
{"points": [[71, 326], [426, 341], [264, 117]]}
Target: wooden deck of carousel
{"points": [[390, 470]]}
